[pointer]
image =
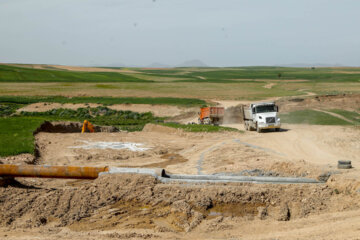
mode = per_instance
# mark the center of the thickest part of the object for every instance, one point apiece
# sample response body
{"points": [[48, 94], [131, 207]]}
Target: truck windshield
{"points": [[266, 108]]}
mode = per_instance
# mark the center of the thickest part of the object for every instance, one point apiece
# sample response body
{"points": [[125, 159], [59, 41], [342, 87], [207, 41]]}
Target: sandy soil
{"points": [[140, 207]]}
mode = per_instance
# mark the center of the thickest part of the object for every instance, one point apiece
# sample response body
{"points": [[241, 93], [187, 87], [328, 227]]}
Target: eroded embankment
{"points": [[140, 201], [69, 127]]}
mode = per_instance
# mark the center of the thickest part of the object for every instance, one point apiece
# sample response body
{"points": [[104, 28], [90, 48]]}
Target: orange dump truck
{"points": [[211, 115]]}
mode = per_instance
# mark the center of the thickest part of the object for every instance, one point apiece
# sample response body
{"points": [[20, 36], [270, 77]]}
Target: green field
{"points": [[259, 73], [212, 75], [235, 83], [311, 117], [102, 100], [16, 135], [352, 116], [21, 74]]}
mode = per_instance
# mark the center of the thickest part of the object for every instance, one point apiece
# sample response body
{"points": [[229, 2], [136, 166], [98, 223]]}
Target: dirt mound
{"points": [[70, 127], [139, 201]]}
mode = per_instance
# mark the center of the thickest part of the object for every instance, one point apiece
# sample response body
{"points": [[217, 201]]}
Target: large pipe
{"points": [[8, 170]]}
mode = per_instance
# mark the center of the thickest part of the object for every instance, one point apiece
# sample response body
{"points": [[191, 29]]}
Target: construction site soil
{"points": [[133, 206]]}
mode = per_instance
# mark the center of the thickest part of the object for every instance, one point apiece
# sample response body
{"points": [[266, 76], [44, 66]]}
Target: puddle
{"points": [[135, 147]]}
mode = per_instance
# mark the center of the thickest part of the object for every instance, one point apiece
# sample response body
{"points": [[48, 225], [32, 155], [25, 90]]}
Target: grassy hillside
{"points": [[102, 100], [260, 73], [236, 83], [20, 74], [224, 75], [311, 117]]}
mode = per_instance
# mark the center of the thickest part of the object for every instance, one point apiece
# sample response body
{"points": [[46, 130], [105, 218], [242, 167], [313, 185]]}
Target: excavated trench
{"points": [[142, 201], [172, 203], [69, 127]]}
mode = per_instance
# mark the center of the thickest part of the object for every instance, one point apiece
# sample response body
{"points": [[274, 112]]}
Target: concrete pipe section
{"points": [[72, 172], [164, 177]]}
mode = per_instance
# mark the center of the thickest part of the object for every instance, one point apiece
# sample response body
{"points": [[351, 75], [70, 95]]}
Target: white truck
{"points": [[259, 116]]}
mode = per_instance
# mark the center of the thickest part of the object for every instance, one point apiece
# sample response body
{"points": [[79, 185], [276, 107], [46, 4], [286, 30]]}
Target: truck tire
{"points": [[277, 129], [344, 164], [258, 129]]}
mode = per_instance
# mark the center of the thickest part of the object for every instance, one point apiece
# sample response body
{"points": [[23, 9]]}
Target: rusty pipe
{"points": [[44, 171]]}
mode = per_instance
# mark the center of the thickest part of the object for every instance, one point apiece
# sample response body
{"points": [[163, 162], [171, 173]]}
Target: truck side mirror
{"points": [[253, 110], [277, 108]]}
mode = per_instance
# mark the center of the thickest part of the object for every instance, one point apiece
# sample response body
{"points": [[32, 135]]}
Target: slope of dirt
{"points": [[157, 110], [336, 115], [131, 202], [350, 102], [70, 127]]}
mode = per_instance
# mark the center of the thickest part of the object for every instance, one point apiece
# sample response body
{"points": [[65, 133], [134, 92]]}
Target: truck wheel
{"points": [[258, 129], [277, 129], [344, 164]]}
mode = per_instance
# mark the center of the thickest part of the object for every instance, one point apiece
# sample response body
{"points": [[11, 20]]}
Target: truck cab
{"points": [[261, 116]]}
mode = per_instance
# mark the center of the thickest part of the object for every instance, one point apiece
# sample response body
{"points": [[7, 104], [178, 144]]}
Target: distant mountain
{"points": [[158, 65], [114, 65], [192, 63]]}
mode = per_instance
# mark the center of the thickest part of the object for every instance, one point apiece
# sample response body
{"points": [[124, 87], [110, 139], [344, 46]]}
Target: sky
{"points": [[141, 32]]}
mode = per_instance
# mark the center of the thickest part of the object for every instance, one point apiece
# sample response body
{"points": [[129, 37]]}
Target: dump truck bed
{"points": [[212, 112], [247, 113]]}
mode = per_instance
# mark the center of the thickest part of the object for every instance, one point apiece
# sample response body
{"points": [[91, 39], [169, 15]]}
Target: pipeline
{"points": [[44, 171], [72, 172]]}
